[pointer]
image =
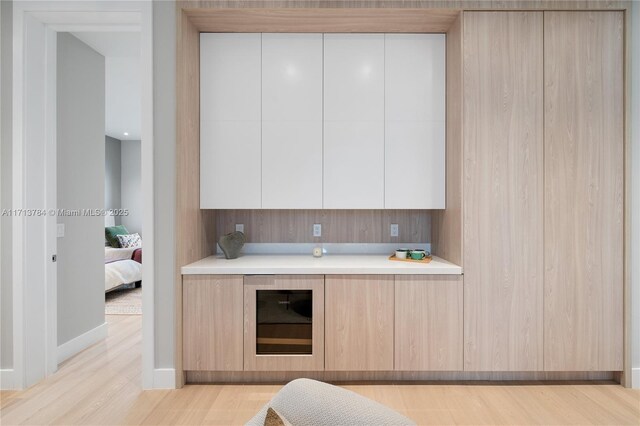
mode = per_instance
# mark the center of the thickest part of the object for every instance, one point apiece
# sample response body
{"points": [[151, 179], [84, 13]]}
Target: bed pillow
{"points": [[130, 240], [111, 234]]}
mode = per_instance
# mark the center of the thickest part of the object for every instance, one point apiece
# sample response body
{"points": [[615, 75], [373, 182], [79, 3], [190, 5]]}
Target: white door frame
{"points": [[34, 277]]}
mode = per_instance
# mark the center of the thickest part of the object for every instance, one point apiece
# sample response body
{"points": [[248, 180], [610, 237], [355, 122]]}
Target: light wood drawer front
{"points": [[359, 322], [428, 323], [212, 322]]}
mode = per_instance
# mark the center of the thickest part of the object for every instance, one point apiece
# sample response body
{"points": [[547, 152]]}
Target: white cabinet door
{"points": [[415, 121], [230, 121], [292, 121], [353, 121]]}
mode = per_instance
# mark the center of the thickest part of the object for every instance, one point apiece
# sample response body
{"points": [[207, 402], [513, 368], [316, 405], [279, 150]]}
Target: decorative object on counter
{"points": [[231, 244], [409, 258], [419, 254], [317, 252], [402, 253]]}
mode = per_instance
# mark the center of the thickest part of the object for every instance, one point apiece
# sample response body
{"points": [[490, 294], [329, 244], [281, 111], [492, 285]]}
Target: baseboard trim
{"points": [[164, 378], [7, 381], [398, 376], [80, 343], [635, 378]]}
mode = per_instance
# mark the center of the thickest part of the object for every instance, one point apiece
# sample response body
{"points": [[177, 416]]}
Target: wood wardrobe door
{"points": [[503, 210], [584, 199]]}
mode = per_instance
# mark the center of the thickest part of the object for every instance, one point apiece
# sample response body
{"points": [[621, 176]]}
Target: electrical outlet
{"points": [[317, 230], [394, 229], [239, 227]]}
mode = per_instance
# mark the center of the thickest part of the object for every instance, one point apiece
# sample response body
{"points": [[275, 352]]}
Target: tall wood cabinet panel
{"points": [[584, 198], [503, 184], [230, 121], [447, 226], [359, 315], [353, 121], [292, 121], [428, 323], [414, 121], [212, 322]]}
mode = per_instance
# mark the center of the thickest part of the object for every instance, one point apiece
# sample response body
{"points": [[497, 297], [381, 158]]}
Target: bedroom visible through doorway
{"points": [[100, 241], [122, 179]]}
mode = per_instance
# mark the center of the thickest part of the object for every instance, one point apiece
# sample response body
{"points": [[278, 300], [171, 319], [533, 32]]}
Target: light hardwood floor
{"points": [[102, 386]]}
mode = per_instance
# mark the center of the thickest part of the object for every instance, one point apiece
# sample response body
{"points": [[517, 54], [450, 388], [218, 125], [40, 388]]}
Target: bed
{"points": [[122, 266]]}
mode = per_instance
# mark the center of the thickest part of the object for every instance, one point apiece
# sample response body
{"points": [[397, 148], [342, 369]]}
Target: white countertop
{"points": [[306, 264]]}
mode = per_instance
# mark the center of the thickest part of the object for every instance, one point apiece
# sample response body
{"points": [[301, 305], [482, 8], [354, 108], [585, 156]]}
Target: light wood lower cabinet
{"points": [[212, 322], [428, 323], [359, 322], [255, 362]]}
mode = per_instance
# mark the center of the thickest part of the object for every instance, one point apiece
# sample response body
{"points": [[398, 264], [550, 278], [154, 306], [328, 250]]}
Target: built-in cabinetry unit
{"points": [[333, 121], [535, 178], [375, 322], [543, 191]]}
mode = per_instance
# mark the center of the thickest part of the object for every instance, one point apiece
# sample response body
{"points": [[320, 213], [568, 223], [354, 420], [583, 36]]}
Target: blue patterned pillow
{"points": [[130, 240]]}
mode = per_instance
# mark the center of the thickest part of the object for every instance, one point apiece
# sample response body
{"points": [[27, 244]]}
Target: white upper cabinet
{"points": [[353, 121], [230, 121], [292, 121], [415, 72], [311, 121]]}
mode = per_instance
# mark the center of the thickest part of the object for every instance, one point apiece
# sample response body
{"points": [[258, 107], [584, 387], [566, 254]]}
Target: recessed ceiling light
{"points": [[126, 134]]}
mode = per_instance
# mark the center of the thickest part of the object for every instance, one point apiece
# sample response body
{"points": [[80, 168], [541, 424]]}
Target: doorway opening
{"points": [[41, 157]]}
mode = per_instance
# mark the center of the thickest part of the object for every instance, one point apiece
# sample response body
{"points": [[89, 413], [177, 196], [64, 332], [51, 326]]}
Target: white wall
{"points": [[6, 294], [81, 162], [164, 148], [131, 185]]}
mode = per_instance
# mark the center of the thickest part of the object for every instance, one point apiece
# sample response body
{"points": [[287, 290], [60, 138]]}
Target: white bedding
{"points": [[121, 272], [114, 254]]}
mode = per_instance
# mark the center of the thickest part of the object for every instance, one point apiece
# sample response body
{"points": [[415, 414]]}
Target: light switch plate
{"points": [[239, 227], [394, 230], [60, 230], [317, 230]]}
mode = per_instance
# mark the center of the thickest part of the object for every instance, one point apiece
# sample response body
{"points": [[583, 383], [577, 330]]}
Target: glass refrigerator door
{"points": [[284, 322]]}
